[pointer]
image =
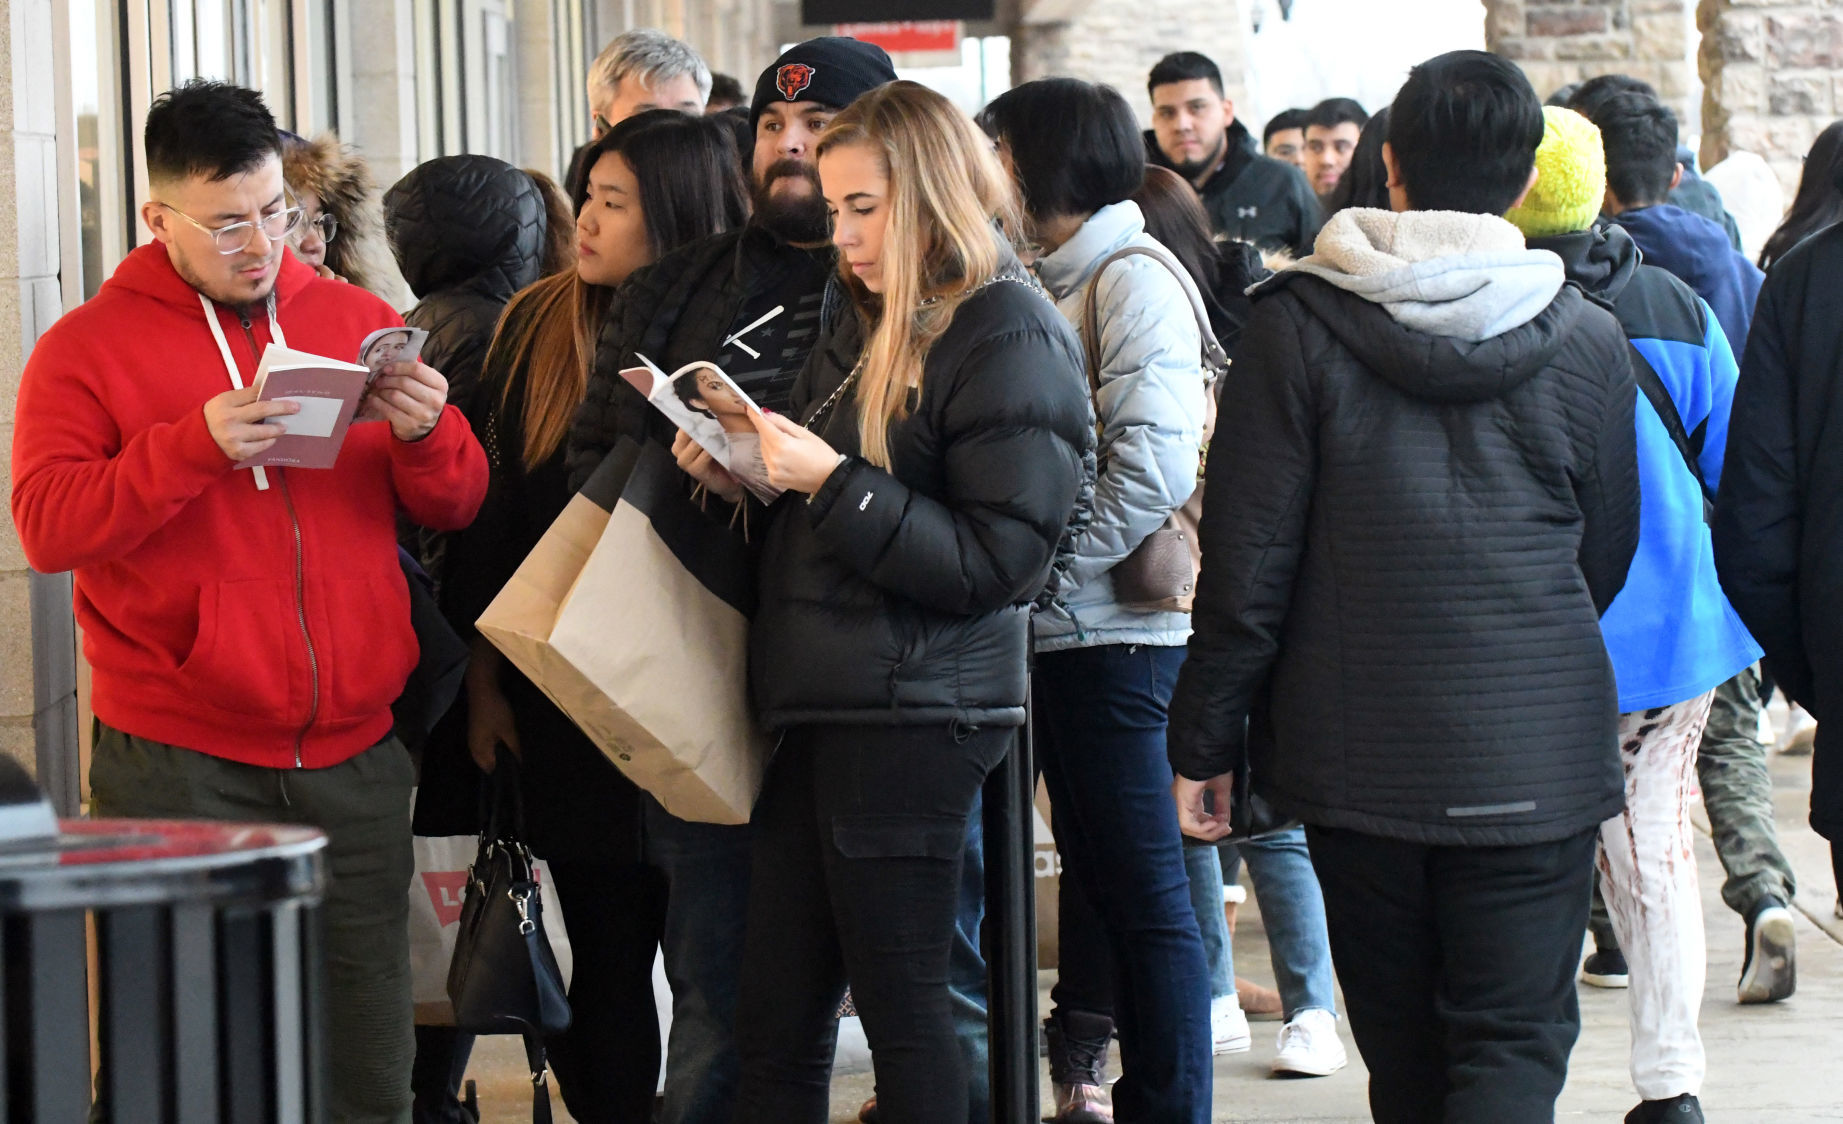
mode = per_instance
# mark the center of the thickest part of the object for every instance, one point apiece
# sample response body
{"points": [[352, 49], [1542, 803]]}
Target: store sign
{"points": [[909, 36], [816, 12]]}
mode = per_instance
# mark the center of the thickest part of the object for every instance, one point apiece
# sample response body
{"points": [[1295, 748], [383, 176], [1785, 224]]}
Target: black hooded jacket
{"points": [[468, 232], [1407, 543], [1779, 515], [902, 597], [1255, 198]]}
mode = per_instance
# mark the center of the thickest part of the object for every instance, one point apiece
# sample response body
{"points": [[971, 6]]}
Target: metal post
{"points": [[1010, 937]]}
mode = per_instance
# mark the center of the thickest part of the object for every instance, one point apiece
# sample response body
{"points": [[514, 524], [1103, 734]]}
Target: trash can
{"points": [[208, 985]]}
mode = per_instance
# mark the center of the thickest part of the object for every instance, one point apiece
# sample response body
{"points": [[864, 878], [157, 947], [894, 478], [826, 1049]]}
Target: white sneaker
{"points": [[1228, 1027], [1309, 1046]]}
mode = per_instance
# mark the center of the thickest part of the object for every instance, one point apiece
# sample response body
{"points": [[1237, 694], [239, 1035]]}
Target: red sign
{"points": [[920, 35], [446, 890]]}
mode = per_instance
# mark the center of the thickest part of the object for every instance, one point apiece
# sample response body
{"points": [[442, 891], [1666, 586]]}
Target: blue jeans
{"points": [[1292, 912], [966, 972], [706, 869], [1101, 742]]}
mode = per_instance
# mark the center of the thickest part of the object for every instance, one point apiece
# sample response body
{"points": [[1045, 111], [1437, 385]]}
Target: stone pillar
{"points": [[1770, 82], [1117, 42], [38, 703], [1561, 41]]}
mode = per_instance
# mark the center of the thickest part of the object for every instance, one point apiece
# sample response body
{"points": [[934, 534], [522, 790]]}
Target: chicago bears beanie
{"points": [[831, 71]]}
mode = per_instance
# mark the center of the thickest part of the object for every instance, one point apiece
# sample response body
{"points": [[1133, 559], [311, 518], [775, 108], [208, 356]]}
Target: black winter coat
{"points": [[468, 232], [1255, 198], [675, 311], [1779, 515], [1407, 543], [903, 597]]}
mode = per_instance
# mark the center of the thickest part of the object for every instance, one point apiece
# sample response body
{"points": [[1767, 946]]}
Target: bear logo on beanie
{"points": [[792, 78]]}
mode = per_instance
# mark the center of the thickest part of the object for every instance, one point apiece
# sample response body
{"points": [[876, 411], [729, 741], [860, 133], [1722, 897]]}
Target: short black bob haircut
{"points": [[1076, 145], [210, 129], [687, 170], [1597, 91], [1464, 130], [1185, 66], [1640, 136], [1282, 121], [1332, 112]]}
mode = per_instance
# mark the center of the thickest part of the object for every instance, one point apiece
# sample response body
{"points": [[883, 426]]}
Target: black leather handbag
{"points": [[504, 978]]}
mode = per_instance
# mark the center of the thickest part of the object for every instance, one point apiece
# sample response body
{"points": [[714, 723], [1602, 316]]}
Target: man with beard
{"points": [[247, 629], [750, 301], [1249, 197]]}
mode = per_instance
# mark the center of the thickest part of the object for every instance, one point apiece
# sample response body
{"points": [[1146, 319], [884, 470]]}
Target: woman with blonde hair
{"points": [[928, 491]]}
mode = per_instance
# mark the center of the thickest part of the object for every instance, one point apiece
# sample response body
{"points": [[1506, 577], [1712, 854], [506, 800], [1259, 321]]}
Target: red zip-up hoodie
{"points": [[267, 627]]}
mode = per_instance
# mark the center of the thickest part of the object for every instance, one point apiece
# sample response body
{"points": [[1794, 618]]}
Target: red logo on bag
{"points": [[446, 889], [793, 78]]}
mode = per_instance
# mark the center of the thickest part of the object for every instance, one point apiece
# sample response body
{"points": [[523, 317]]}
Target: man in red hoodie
{"points": [[247, 630]]}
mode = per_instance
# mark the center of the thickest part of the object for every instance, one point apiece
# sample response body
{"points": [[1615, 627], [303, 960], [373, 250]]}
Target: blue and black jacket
{"points": [[1671, 633]]}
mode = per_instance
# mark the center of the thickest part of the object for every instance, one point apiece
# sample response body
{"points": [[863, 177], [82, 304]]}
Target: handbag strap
{"points": [[1215, 359], [497, 791], [540, 1078]]}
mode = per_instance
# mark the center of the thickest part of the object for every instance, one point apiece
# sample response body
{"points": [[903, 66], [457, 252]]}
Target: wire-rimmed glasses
{"points": [[236, 238]]}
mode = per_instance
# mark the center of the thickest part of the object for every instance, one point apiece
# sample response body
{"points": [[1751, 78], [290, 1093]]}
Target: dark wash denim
{"points": [[1458, 970], [1100, 739], [861, 834]]}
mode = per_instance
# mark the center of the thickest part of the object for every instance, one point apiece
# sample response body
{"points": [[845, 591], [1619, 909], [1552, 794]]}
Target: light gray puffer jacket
{"points": [[1151, 415]]}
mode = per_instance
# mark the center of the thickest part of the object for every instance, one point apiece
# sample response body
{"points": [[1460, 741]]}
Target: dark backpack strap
{"points": [[1659, 397], [540, 1079]]}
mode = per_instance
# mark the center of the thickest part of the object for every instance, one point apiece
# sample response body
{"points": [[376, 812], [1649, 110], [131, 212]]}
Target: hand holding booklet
{"points": [[328, 392], [713, 411]]}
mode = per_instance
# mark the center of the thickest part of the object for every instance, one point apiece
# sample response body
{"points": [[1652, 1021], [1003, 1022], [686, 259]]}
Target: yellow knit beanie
{"points": [[1571, 180]]}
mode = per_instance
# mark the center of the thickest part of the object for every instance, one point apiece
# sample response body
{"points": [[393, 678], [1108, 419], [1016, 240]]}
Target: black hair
{"points": [[726, 88], [1562, 96], [1590, 95], [1185, 66], [1332, 112], [1076, 145], [1366, 182], [210, 129], [686, 387], [1464, 130], [1282, 121], [1640, 136], [690, 178], [1819, 201]]}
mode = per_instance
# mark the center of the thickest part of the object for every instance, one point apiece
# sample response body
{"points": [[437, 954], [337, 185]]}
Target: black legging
{"points": [[860, 832]]}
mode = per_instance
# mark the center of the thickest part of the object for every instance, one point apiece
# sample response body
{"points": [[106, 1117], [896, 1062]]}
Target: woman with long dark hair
{"points": [[1819, 201], [929, 489], [655, 182]]}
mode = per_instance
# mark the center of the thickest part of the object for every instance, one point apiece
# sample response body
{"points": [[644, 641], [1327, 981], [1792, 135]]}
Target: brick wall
{"points": [[1770, 80], [1561, 41], [1117, 43]]}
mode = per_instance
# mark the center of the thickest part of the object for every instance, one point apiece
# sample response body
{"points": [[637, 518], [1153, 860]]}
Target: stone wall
{"points": [[1562, 41], [1118, 43], [1770, 78]]}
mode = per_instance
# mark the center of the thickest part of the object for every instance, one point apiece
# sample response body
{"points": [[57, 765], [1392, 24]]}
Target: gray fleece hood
{"points": [[1467, 277]]}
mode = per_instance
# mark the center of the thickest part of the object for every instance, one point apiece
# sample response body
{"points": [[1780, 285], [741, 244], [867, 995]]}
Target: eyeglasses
{"points": [[327, 225], [236, 237]]}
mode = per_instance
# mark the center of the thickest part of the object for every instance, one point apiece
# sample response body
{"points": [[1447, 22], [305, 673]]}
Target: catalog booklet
{"points": [[709, 406], [329, 393]]}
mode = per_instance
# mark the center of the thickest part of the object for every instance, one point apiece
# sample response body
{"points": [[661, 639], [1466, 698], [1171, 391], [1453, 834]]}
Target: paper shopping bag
{"points": [[435, 920], [632, 615]]}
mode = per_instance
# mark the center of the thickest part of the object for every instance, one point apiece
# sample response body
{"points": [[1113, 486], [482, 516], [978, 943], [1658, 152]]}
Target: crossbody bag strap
{"points": [[1659, 396], [1215, 359]]}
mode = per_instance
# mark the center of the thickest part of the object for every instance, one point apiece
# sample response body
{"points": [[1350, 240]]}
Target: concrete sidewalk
{"points": [[1765, 1063]]}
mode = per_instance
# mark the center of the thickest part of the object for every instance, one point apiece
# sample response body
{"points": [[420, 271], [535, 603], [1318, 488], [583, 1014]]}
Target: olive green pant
{"points": [[363, 806]]}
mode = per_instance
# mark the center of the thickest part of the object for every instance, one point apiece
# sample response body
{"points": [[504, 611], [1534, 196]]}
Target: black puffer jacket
{"points": [[903, 598], [1779, 514], [674, 312], [468, 232], [1407, 543]]}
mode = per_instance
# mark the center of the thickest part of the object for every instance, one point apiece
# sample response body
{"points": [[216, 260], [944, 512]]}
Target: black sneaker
{"points": [[1771, 971], [1683, 1108], [1606, 968]]}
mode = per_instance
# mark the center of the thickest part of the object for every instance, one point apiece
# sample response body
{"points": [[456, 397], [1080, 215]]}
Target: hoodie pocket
{"points": [[241, 658], [370, 647]]}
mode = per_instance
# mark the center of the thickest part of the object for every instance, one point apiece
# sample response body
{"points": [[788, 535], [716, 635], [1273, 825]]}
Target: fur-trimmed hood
{"points": [[336, 175]]}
